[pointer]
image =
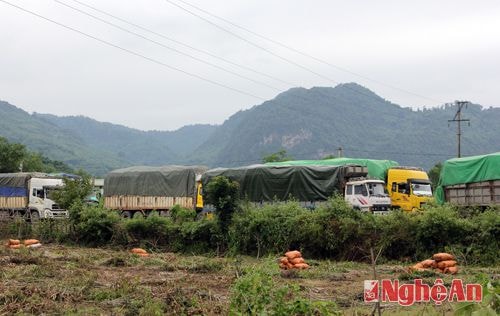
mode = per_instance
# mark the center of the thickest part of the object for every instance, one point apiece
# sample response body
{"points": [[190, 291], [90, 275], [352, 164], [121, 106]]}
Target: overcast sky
{"points": [[438, 51]]}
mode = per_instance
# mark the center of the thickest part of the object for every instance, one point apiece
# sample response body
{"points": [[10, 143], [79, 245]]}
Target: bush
{"points": [[93, 225]]}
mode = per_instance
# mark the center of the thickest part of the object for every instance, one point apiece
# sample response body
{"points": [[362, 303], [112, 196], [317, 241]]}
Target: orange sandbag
{"points": [[439, 270], [284, 260], [446, 264], [429, 263], [443, 256], [15, 246], [417, 266], [143, 254], [28, 242], [14, 242], [289, 265], [138, 251], [301, 266], [297, 260], [283, 266], [451, 270], [293, 254]]}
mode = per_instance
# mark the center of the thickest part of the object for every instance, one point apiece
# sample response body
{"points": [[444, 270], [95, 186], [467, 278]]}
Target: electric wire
{"points": [[167, 47], [134, 53], [184, 44], [262, 47], [306, 54]]}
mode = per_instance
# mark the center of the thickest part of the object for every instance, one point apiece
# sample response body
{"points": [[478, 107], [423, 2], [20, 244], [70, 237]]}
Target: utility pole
{"points": [[458, 118], [339, 152]]}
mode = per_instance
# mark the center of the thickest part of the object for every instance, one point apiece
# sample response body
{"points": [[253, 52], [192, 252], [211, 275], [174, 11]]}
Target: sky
{"points": [[416, 54]]}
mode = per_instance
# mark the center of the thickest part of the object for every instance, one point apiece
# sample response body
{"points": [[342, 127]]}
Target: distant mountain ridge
{"points": [[308, 123]]}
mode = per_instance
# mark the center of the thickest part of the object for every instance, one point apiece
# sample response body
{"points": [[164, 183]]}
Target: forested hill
{"points": [[308, 123], [312, 123]]}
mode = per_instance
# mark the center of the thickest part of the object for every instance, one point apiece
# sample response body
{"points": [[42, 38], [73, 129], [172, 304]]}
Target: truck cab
{"points": [[408, 187], [367, 195], [41, 203]]}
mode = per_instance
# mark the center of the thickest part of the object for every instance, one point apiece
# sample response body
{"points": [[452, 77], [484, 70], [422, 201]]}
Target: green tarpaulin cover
{"points": [[468, 170], [19, 179], [261, 183], [173, 181], [377, 169]]}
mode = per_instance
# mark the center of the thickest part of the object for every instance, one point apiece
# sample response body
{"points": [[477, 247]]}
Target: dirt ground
{"points": [[57, 279]]}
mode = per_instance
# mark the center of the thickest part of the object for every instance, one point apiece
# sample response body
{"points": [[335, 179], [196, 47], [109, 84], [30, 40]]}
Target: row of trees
{"points": [[16, 157]]}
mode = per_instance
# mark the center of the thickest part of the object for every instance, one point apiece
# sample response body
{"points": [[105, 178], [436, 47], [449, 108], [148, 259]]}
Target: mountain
{"points": [[312, 123], [308, 123]]}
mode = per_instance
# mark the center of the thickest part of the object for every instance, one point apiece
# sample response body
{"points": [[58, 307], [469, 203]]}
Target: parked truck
{"points": [[145, 189], [29, 196], [309, 185], [408, 187], [470, 181]]}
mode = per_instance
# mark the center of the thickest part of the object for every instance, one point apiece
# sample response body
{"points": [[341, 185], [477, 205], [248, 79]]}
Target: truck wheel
{"points": [[127, 214], [34, 216]]}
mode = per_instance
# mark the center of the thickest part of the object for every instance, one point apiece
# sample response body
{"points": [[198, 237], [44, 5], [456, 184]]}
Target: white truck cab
{"points": [[41, 203], [367, 195]]}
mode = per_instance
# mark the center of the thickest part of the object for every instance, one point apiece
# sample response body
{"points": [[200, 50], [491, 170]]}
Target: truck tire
{"points": [[34, 216], [127, 214]]}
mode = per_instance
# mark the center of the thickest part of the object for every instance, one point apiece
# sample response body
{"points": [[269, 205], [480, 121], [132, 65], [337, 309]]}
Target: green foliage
{"points": [[93, 225], [278, 156], [222, 193], [11, 156], [490, 305], [181, 215], [256, 293], [74, 190], [434, 174]]}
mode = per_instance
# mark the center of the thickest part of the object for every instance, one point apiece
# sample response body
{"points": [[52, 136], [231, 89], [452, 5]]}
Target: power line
{"points": [[134, 53], [459, 120], [283, 45], [184, 44], [167, 47], [304, 53]]}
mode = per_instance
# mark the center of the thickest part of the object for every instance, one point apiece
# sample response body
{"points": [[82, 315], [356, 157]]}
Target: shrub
{"points": [[93, 225]]}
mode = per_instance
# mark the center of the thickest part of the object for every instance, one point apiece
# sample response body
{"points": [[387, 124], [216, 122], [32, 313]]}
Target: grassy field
{"points": [[57, 279]]}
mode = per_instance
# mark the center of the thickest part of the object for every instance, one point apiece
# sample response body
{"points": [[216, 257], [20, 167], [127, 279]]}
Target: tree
{"points": [[434, 174], [277, 157], [11, 156], [222, 193], [75, 189]]}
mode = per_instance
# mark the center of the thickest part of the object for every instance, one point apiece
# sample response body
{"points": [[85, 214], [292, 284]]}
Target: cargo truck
{"points": [[470, 181], [408, 187], [310, 185], [29, 196], [143, 189]]}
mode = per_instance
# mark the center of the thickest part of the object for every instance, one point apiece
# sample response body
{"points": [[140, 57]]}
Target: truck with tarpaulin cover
{"points": [[143, 189], [470, 181], [408, 187], [30, 196], [309, 185]]}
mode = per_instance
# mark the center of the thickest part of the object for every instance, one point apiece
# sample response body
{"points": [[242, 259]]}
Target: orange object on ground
{"points": [[138, 251], [429, 263], [301, 266], [451, 270], [284, 260], [446, 264], [297, 260], [15, 246], [443, 256], [28, 242], [293, 254], [14, 242]]}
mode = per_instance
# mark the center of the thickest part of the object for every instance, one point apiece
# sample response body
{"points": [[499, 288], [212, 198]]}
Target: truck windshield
{"points": [[376, 189], [421, 189], [49, 192]]}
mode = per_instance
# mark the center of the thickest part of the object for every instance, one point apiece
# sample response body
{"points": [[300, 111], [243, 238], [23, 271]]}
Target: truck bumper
{"points": [[380, 208], [56, 214]]}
